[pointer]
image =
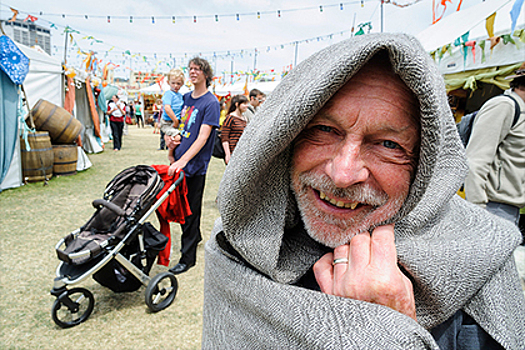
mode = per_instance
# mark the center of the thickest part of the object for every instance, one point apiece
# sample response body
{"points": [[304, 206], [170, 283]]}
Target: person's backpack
{"points": [[467, 122]]}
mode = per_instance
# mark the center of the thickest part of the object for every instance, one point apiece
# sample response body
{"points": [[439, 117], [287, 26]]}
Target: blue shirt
{"points": [[174, 99], [195, 113]]}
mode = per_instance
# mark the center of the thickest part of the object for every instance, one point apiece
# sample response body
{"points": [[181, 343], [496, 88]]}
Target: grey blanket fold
{"points": [[458, 255]]}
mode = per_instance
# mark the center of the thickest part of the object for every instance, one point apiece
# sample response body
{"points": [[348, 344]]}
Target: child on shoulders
{"points": [[172, 105]]}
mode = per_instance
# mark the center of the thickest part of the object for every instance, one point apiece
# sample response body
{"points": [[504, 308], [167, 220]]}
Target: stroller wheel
{"points": [[73, 307], [161, 291]]}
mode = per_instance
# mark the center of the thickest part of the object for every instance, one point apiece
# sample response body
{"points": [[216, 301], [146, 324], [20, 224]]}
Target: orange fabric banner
{"points": [[69, 101], [93, 107]]}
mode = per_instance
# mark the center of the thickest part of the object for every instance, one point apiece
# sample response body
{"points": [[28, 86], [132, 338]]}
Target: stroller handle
{"points": [[98, 203], [162, 198]]}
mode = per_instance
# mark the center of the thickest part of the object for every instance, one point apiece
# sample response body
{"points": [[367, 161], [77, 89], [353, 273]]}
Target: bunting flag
{"points": [[520, 34], [472, 45], [31, 18], [245, 89], [482, 45], [15, 13], [434, 8], [489, 24], [507, 39], [514, 13], [494, 41], [361, 27]]}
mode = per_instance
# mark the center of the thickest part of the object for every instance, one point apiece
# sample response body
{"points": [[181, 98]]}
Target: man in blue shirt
{"points": [[199, 118]]}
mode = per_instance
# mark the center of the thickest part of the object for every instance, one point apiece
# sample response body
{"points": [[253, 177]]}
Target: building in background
{"points": [[28, 33]]}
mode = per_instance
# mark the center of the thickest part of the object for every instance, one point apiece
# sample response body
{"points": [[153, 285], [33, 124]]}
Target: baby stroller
{"points": [[116, 246]]}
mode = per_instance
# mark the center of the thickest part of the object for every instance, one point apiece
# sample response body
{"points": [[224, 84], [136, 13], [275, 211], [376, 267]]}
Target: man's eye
{"points": [[390, 144], [324, 128]]}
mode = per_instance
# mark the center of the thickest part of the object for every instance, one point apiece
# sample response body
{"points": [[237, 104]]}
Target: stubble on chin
{"points": [[334, 231]]}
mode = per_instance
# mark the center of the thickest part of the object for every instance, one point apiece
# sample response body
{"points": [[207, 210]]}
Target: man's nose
{"points": [[348, 166]]}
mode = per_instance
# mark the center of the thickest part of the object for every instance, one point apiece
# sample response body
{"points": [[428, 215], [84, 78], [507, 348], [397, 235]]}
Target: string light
{"points": [[194, 19], [130, 19], [258, 15], [216, 18], [279, 13], [109, 19], [173, 19], [321, 8], [237, 16], [362, 3], [341, 6], [152, 20], [86, 16]]}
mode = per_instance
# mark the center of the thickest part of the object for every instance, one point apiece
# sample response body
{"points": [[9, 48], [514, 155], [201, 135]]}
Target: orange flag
{"points": [[15, 13]]}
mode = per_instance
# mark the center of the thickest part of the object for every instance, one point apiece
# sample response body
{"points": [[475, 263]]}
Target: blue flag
{"points": [[514, 14]]}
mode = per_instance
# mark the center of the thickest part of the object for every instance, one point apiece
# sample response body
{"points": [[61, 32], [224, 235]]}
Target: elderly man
{"points": [[340, 227]]}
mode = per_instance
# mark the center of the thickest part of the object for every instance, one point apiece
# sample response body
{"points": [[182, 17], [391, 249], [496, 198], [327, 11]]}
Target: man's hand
{"points": [[176, 166], [170, 141], [371, 274]]}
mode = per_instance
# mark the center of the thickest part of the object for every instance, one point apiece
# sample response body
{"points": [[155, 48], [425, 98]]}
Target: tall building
{"points": [[28, 33]]}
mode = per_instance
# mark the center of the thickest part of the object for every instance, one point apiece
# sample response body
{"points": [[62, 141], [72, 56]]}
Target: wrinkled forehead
{"points": [[378, 78]]}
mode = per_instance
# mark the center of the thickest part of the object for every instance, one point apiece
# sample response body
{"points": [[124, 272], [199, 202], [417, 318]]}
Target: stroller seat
{"points": [[126, 198]]}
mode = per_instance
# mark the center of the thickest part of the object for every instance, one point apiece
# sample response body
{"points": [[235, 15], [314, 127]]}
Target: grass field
{"points": [[35, 217]]}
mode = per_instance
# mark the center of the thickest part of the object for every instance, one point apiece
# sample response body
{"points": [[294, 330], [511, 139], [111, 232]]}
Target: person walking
{"points": [[116, 121], [138, 114]]}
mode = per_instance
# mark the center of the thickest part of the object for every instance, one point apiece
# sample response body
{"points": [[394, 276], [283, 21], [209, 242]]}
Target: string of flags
{"points": [[469, 46], [279, 13], [156, 61], [127, 58]]}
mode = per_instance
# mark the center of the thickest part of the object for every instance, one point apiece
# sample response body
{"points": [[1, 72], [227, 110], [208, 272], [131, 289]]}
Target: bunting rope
{"points": [[216, 17]]}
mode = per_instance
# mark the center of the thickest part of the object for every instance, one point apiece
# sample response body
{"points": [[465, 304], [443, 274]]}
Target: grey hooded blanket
{"points": [[458, 256]]}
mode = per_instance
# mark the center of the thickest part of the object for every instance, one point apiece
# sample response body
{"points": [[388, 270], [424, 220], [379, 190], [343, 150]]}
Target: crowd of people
{"points": [[354, 236]]}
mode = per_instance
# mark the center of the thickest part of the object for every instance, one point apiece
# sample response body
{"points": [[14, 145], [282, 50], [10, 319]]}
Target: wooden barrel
{"points": [[65, 159], [37, 162], [63, 128]]}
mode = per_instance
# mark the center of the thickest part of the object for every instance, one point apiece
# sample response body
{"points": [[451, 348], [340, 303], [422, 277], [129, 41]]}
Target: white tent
{"points": [[472, 21], [238, 87], [44, 81], [233, 89], [156, 89]]}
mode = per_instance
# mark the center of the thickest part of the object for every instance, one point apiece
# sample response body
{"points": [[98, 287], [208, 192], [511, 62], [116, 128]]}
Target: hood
{"points": [[258, 210]]}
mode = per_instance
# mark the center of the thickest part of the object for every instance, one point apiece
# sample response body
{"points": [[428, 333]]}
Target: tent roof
{"points": [[460, 22], [472, 21], [238, 88], [155, 89], [41, 61]]}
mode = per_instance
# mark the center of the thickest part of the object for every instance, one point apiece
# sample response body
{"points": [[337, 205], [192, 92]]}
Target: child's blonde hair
{"points": [[176, 73]]}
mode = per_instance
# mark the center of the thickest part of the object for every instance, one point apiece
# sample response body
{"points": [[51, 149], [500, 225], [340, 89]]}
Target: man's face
{"points": [[196, 74], [257, 100], [353, 164]]}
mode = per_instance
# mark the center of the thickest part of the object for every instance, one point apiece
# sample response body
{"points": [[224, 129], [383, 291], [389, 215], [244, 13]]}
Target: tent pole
{"points": [[296, 51], [382, 19]]}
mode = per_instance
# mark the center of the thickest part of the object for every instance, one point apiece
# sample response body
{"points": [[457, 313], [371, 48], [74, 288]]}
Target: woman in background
{"points": [[233, 125]]}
